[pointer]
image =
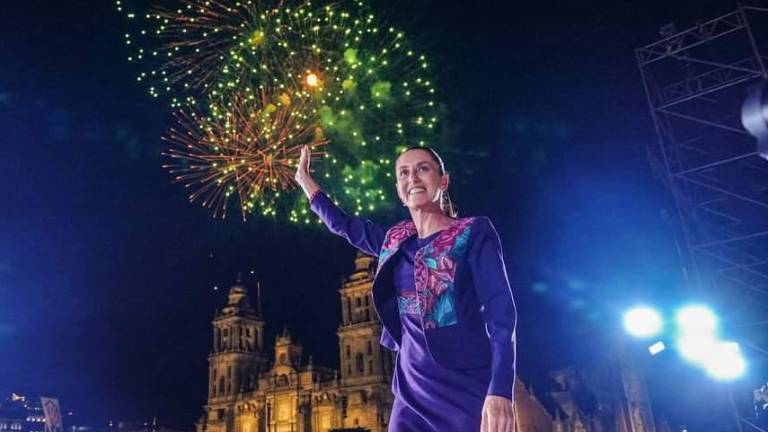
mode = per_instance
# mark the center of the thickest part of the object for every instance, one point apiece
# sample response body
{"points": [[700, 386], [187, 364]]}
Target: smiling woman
{"points": [[446, 206], [442, 295]]}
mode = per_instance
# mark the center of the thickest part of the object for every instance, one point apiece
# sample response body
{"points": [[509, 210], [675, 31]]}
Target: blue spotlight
{"points": [[697, 320], [726, 362], [642, 321], [697, 348]]}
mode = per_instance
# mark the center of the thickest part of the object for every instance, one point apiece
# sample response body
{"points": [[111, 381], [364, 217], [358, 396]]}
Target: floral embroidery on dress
{"points": [[394, 237], [408, 304], [434, 270]]}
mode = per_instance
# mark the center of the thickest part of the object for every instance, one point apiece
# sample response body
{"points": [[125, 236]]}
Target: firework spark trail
{"points": [[215, 44], [246, 148], [198, 38]]}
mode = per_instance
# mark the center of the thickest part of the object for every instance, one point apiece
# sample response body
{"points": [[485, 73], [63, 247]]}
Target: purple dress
{"points": [[428, 396]]}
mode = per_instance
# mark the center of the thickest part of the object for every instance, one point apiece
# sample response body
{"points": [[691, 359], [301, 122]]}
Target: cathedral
{"points": [[251, 391]]}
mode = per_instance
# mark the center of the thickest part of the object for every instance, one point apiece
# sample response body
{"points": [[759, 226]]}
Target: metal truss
{"points": [[695, 82]]}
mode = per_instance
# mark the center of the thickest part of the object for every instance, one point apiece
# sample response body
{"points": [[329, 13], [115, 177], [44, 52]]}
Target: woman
{"points": [[442, 294]]}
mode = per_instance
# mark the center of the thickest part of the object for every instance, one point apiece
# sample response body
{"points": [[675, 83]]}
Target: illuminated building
{"points": [[19, 413], [250, 392]]}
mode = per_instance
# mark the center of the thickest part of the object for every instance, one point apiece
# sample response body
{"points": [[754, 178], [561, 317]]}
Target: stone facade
{"points": [[609, 397]]}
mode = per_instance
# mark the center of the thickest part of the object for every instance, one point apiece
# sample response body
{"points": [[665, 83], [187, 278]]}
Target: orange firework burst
{"points": [[245, 150]]}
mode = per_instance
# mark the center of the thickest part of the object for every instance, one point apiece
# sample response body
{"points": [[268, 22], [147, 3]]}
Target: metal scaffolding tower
{"points": [[696, 81]]}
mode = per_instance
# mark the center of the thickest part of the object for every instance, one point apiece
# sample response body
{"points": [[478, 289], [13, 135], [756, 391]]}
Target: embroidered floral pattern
{"points": [[434, 270], [434, 273], [408, 303], [395, 236]]}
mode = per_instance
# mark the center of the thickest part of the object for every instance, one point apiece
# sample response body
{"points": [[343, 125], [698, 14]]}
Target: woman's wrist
{"points": [[312, 195], [310, 187]]}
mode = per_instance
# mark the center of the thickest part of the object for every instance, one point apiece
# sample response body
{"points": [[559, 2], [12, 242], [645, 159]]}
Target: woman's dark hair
{"points": [[445, 201]]}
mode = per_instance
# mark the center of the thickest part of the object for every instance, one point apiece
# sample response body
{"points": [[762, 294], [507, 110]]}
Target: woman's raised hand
{"points": [[304, 175]]}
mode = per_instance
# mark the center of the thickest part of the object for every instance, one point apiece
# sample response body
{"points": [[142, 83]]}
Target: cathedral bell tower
{"points": [[363, 359], [366, 366], [238, 348]]}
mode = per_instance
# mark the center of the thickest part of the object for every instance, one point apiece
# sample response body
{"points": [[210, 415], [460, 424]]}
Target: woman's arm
{"points": [[360, 233], [498, 306]]}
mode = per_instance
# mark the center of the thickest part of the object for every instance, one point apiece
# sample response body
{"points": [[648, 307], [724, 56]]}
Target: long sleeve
{"points": [[498, 306], [361, 233]]}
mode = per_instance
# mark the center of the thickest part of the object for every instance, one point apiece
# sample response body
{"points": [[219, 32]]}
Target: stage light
{"points": [[657, 348], [696, 348], [697, 320], [726, 361], [642, 322]]}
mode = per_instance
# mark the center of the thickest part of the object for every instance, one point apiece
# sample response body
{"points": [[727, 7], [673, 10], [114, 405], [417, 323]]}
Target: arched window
{"points": [[359, 364], [282, 380], [221, 386], [283, 359]]}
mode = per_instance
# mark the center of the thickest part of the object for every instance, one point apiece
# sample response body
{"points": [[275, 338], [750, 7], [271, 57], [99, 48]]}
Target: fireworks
{"points": [[205, 47], [331, 71], [245, 149]]}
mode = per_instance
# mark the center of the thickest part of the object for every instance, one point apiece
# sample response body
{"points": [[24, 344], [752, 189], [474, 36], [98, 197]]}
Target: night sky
{"points": [[107, 273]]}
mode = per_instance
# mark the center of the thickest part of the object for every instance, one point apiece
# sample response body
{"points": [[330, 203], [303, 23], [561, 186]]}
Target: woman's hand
{"points": [[303, 174], [498, 415]]}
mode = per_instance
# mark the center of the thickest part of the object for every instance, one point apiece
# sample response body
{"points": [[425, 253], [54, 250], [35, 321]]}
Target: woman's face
{"points": [[419, 182]]}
